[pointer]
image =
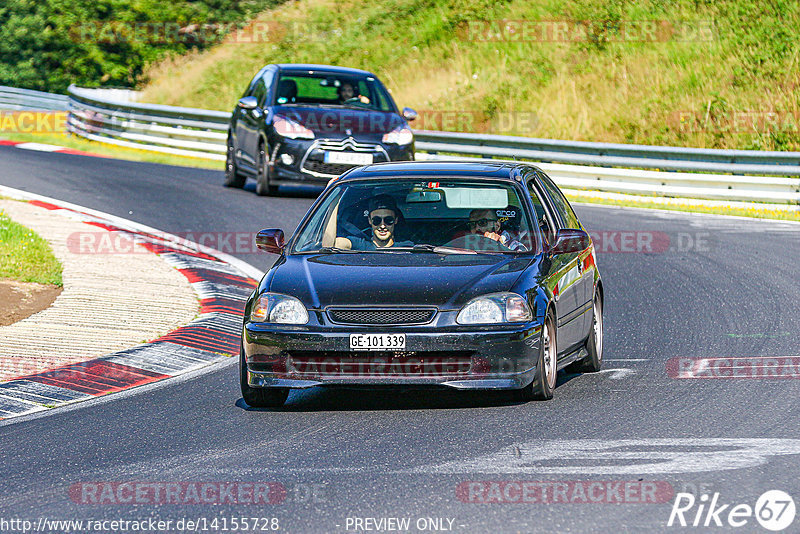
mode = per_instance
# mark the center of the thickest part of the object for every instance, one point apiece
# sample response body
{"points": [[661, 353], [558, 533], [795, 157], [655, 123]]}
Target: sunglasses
{"points": [[482, 222], [388, 221]]}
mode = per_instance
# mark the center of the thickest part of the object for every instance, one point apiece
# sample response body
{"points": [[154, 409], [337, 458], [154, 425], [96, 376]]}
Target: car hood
{"points": [[332, 121], [382, 278]]}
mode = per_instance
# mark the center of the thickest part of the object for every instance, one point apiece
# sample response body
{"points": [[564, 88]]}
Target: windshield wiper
{"points": [[425, 247], [335, 250]]}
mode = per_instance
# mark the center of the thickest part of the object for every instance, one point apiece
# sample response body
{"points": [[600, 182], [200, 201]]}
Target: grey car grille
{"points": [[347, 144]]}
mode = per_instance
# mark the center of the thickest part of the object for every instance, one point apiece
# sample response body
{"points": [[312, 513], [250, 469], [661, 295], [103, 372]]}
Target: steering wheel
{"points": [[477, 242]]}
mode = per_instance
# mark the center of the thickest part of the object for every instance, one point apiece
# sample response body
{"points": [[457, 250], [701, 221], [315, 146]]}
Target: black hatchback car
{"points": [[471, 276], [310, 123]]}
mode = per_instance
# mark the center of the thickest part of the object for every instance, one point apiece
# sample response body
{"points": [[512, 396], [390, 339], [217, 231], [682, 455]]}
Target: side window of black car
{"points": [[562, 205], [546, 225]]}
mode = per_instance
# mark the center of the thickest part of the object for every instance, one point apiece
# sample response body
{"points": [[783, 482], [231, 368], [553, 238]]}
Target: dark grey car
{"points": [[310, 123]]}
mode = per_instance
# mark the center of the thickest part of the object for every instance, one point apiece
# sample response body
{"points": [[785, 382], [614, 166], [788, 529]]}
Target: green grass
{"points": [[734, 56], [112, 151], [25, 256]]}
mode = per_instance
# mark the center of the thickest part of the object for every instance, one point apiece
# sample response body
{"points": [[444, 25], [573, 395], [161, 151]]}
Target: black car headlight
{"points": [[495, 308], [276, 308]]}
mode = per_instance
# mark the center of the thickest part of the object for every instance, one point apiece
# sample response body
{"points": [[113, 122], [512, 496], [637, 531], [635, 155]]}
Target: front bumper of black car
{"points": [[306, 157], [496, 357]]}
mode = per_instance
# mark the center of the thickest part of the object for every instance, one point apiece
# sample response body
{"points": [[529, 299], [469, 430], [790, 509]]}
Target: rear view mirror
{"points": [[270, 240], [568, 241], [409, 114], [423, 196]]}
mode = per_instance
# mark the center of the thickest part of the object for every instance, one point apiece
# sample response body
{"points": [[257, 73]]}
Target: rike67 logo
{"points": [[774, 510]]}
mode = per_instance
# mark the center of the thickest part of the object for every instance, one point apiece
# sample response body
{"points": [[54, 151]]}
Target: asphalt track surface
{"points": [[343, 454]]}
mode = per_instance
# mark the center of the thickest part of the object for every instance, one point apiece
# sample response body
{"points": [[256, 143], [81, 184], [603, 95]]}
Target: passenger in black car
{"points": [[383, 219]]}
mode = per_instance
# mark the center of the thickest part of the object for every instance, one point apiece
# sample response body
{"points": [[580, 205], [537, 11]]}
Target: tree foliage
{"points": [[49, 44]]}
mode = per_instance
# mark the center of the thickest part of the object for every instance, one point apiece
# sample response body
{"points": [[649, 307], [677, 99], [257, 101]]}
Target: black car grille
{"points": [[379, 363], [327, 168], [381, 316]]}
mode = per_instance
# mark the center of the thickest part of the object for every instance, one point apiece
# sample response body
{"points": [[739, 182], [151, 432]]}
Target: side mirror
{"points": [[409, 114], [248, 102], [568, 241], [270, 240]]}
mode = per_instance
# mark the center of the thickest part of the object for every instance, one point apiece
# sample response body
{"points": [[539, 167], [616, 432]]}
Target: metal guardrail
{"points": [[610, 154], [15, 99], [191, 132], [612, 168]]}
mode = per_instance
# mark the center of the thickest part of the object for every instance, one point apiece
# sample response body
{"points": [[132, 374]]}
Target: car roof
{"points": [[322, 68], [474, 169]]}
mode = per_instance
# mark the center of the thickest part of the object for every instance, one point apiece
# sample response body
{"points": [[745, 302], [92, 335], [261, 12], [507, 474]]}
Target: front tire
{"points": [[259, 397], [232, 176], [263, 185], [544, 384]]}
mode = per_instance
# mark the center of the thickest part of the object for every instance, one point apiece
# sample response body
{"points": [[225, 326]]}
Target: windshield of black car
{"points": [[417, 215], [326, 89]]}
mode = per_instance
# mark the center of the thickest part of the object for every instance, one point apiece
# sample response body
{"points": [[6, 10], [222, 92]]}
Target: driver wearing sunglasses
{"points": [[383, 218], [487, 224]]}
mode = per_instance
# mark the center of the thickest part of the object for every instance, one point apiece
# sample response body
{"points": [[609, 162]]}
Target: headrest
{"points": [[287, 89], [509, 217]]}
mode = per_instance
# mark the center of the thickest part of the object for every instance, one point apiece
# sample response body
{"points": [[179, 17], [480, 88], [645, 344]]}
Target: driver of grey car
{"points": [[348, 91], [383, 216]]}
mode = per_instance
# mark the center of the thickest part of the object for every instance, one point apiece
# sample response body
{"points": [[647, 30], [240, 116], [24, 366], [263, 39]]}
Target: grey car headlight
{"points": [[495, 308], [276, 308], [402, 135]]}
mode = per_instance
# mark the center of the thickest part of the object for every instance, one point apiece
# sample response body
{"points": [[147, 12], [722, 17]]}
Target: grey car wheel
{"points": [[263, 185], [232, 176]]}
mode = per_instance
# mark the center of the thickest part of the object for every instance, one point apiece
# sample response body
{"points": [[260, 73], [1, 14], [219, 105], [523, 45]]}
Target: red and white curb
{"points": [[222, 284], [42, 147]]}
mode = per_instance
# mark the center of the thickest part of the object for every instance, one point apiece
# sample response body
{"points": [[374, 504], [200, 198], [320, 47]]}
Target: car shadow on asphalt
{"points": [[290, 191], [322, 399]]}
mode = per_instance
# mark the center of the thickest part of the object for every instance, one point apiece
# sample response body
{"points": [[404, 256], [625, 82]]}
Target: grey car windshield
{"points": [[306, 88], [463, 215]]}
